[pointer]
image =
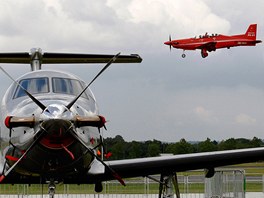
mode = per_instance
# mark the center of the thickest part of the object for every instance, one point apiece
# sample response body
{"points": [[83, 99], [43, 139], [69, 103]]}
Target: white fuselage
{"points": [[56, 149]]}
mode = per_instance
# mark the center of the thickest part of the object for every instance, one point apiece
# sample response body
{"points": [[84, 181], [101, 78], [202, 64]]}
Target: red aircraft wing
{"points": [[209, 46]]}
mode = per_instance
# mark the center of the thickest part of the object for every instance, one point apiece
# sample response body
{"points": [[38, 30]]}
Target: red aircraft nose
{"points": [[167, 43]]}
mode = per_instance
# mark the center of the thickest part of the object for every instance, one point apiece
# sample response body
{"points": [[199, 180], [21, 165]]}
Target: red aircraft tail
{"points": [[251, 32]]}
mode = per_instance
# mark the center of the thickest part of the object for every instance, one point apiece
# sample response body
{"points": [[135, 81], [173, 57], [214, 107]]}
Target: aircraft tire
{"points": [[204, 53], [98, 187]]}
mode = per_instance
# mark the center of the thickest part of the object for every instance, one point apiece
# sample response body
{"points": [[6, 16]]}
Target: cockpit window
{"points": [[33, 86], [67, 86]]}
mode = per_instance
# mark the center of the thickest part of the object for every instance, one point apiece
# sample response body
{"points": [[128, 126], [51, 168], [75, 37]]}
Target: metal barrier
{"points": [[225, 183]]}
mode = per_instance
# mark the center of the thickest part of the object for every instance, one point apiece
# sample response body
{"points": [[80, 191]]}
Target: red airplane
{"points": [[208, 43]]}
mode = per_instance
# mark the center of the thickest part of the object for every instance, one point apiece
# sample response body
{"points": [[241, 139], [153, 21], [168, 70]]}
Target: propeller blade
{"points": [[36, 101], [170, 41], [93, 121], [105, 67], [13, 121], [3, 176], [114, 174]]}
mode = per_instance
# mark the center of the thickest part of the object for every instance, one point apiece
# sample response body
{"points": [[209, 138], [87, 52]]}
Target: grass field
{"points": [[113, 189]]}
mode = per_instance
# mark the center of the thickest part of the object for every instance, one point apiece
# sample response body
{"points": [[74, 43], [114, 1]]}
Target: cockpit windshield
{"points": [[66, 86], [58, 85], [33, 86]]}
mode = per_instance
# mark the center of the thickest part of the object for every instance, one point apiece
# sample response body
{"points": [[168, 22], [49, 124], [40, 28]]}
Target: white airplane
{"points": [[49, 131]]}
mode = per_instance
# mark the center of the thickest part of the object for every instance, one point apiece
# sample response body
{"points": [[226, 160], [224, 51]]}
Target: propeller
{"points": [[170, 41], [104, 68], [114, 174]]}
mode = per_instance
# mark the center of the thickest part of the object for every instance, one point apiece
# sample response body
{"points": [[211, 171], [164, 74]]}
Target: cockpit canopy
{"points": [[33, 86], [41, 85]]}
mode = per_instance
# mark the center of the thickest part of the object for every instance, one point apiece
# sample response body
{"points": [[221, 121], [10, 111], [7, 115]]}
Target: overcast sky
{"points": [[165, 97]]}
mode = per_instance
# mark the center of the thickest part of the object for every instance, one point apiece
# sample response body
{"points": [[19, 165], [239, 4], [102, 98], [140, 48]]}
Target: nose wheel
{"points": [[52, 188], [183, 55]]}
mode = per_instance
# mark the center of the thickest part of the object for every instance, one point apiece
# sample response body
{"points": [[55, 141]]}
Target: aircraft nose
{"points": [[167, 43], [57, 134]]}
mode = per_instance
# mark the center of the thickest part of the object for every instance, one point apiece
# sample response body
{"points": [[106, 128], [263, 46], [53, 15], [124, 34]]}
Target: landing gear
{"points": [[204, 53], [98, 187], [166, 186], [52, 188], [183, 55]]}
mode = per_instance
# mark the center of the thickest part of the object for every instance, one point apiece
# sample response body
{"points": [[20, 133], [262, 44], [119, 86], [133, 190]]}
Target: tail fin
{"points": [[251, 32]]}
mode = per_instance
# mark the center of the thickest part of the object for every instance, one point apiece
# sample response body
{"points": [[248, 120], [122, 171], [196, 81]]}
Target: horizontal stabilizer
{"points": [[15, 58], [49, 58], [65, 58]]}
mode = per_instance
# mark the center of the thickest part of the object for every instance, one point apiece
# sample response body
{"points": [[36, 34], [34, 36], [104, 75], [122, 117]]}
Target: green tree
{"points": [[227, 145], [117, 146], [207, 145], [181, 147], [153, 149], [134, 150], [256, 142]]}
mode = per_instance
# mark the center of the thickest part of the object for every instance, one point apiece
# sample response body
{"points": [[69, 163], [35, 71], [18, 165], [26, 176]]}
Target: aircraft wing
{"points": [[183, 162], [67, 58], [157, 165], [209, 46]]}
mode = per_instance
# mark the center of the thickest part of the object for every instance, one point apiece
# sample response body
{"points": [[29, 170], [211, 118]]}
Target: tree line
{"points": [[118, 148]]}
